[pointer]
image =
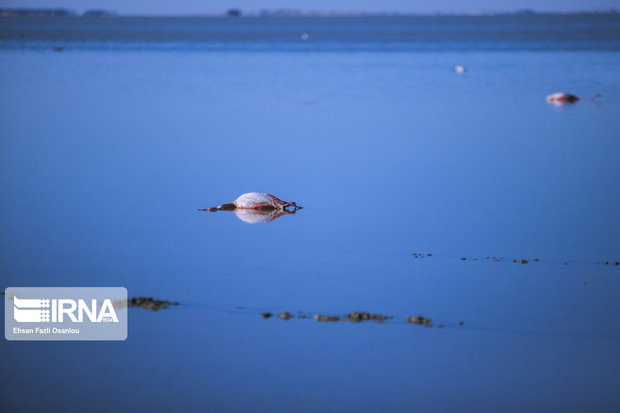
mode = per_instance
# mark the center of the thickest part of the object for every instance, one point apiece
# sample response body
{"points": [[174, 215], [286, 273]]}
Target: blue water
{"points": [[108, 149]]}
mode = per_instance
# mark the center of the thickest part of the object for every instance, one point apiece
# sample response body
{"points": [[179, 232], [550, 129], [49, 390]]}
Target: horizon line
{"points": [[56, 12], [238, 13]]}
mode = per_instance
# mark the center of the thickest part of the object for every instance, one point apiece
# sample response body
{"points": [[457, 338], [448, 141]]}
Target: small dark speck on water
{"points": [[524, 261], [461, 323], [463, 259], [617, 263], [266, 315], [59, 49]]}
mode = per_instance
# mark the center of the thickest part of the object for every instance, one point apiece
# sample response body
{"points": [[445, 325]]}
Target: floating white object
{"points": [[305, 36], [460, 69]]}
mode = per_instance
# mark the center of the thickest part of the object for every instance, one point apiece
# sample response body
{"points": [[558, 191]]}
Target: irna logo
{"points": [[33, 310], [65, 313]]}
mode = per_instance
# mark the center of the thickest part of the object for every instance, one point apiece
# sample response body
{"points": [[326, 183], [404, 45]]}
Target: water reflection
{"points": [[257, 216]]}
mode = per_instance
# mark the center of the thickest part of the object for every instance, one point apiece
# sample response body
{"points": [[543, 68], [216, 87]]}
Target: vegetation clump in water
{"points": [[285, 315], [148, 303], [325, 317], [357, 316], [418, 320]]}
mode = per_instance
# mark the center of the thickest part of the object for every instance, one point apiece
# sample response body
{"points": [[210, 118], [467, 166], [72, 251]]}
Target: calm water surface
{"points": [[109, 148]]}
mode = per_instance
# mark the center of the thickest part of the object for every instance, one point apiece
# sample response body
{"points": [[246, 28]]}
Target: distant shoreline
{"points": [[63, 13]]}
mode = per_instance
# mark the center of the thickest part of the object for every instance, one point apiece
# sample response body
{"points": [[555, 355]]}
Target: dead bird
{"points": [[256, 207], [256, 201], [561, 98]]}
